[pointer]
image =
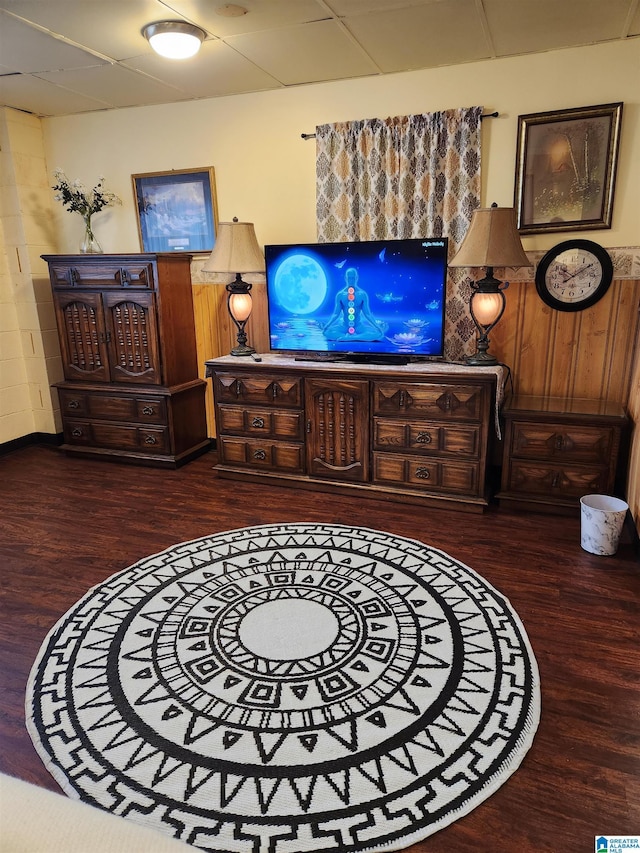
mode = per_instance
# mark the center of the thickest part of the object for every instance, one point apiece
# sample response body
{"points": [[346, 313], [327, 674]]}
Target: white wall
{"points": [[265, 172]]}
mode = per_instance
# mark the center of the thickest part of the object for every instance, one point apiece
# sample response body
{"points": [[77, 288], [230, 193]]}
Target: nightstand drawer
{"points": [[257, 422], [426, 437], [529, 478], [270, 390], [570, 442], [431, 474], [265, 455], [426, 400]]}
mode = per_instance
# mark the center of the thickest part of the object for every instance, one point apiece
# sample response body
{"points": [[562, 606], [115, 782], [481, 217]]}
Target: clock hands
{"points": [[577, 272]]}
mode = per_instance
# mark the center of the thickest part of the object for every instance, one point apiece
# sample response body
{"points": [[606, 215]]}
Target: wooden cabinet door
{"points": [[83, 337], [337, 423], [132, 329]]}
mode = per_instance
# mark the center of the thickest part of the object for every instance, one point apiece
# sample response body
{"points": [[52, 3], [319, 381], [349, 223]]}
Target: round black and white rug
{"points": [[287, 688]]}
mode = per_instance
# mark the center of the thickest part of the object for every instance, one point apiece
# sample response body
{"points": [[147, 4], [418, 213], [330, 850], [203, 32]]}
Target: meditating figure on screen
{"points": [[352, 319]]}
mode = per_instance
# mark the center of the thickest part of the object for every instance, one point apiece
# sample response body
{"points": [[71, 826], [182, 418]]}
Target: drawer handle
{"points": [[150, 439], [559, 442], [423, 473], [424, 438], [73, 276], [76, 432], [556, 481], [402, 400], [123, 276], [73, 404], [259, 454], [238, 387], [148, 410], [258, 422]]}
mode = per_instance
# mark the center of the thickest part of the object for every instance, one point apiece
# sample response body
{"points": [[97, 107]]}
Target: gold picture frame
{"points": [[566, 168], [176, 210]]}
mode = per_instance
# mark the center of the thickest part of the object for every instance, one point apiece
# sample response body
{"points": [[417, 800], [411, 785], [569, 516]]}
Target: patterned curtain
{"points": [[408, 176]]}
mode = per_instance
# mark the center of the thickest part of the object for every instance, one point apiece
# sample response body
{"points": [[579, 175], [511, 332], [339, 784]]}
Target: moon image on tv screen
{"points": [[300, 284]]}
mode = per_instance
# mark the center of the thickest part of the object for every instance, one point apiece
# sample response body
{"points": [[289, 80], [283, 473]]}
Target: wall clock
{"points": [[574, 275]]}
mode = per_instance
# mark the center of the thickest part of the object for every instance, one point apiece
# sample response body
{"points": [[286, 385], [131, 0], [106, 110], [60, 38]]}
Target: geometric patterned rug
{"points": [[287, 688]]}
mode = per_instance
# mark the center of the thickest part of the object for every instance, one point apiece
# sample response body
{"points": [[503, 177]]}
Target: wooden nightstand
{"points": [[557, 449]]}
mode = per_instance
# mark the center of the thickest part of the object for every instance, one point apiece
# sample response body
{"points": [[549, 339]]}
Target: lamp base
{"points": [[481, 359], [242, 349]]}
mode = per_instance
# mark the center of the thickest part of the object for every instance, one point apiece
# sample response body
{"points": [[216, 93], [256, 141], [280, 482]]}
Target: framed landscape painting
{"points": [[176, 210], [566, 168]]}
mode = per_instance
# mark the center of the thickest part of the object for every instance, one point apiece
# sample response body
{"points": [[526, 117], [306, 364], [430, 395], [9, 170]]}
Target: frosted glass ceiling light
{"points": [[174, 39]]}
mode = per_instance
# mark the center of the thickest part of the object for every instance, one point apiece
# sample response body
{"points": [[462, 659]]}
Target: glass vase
{"points": [[89, 245]]}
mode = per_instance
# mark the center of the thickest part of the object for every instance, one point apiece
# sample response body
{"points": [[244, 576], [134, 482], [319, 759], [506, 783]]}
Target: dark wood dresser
{"points": [[557, 449], [418, 433], [131, 389]]}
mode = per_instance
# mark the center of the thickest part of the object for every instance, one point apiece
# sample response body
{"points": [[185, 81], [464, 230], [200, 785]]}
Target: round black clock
{"points": [[574, 275]]}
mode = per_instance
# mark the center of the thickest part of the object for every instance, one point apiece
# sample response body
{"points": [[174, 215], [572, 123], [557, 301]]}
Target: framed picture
{"points": [[566, 168], [177, 211]]}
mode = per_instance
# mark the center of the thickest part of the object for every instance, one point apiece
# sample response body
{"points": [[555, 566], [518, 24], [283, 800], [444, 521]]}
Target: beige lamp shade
{"points": [[236, 250], [492, 241]]}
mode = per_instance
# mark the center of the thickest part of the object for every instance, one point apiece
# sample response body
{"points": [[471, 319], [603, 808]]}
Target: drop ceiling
{"points": [[60, 57]]}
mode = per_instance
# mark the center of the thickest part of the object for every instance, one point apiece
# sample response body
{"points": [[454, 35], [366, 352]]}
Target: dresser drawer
{"points": [[261, 455], [261, 422], [113, 407], [430, 474], [263, 390], [116, 436], [102, 273], [426, 437], [559, 480], [426, 400], [569, 442]]}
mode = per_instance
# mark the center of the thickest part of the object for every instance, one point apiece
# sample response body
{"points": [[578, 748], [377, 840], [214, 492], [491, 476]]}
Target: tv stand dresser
{"points": [[417, 433]]}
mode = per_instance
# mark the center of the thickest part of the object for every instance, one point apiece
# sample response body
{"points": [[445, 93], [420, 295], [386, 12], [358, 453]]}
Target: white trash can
{"points": [[601, 522]]}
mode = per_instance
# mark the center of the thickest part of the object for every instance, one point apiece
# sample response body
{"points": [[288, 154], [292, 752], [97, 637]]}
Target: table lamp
{"points": [[236, 251], [491, 241]]}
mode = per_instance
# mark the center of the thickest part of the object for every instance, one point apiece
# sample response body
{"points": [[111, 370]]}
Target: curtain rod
{"points": [[484, 115]]}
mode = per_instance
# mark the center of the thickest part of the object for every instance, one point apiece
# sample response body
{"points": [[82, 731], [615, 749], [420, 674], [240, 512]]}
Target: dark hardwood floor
{"points": [[66, 524]]}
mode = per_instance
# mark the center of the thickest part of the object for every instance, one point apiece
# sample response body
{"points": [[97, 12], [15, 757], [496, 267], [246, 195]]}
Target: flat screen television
{"points": [[368, 301]]}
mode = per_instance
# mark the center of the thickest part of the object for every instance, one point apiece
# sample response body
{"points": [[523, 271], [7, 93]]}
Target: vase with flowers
{"points": [[76, 198]]}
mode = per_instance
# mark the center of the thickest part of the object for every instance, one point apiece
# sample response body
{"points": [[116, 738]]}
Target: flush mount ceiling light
{"points": [[174, 39]]}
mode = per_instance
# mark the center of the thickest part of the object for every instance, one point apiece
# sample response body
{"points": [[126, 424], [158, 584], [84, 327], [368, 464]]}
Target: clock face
{"points": [[574, 275]]}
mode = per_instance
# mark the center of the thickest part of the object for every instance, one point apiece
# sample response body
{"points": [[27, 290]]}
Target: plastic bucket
{"points": [[601, 522]]}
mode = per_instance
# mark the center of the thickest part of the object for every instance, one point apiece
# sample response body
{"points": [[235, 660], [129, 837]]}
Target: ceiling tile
{"points": [[31, 94], [442, 33], [348, 8], [25, 49], [115, 85], [216, 70], [261, 14], [305, 54], [527, 26]]}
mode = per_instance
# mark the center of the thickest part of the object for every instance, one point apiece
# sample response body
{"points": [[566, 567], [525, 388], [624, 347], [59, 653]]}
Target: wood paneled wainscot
{"points": [[127, 337], [418, 432]]}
